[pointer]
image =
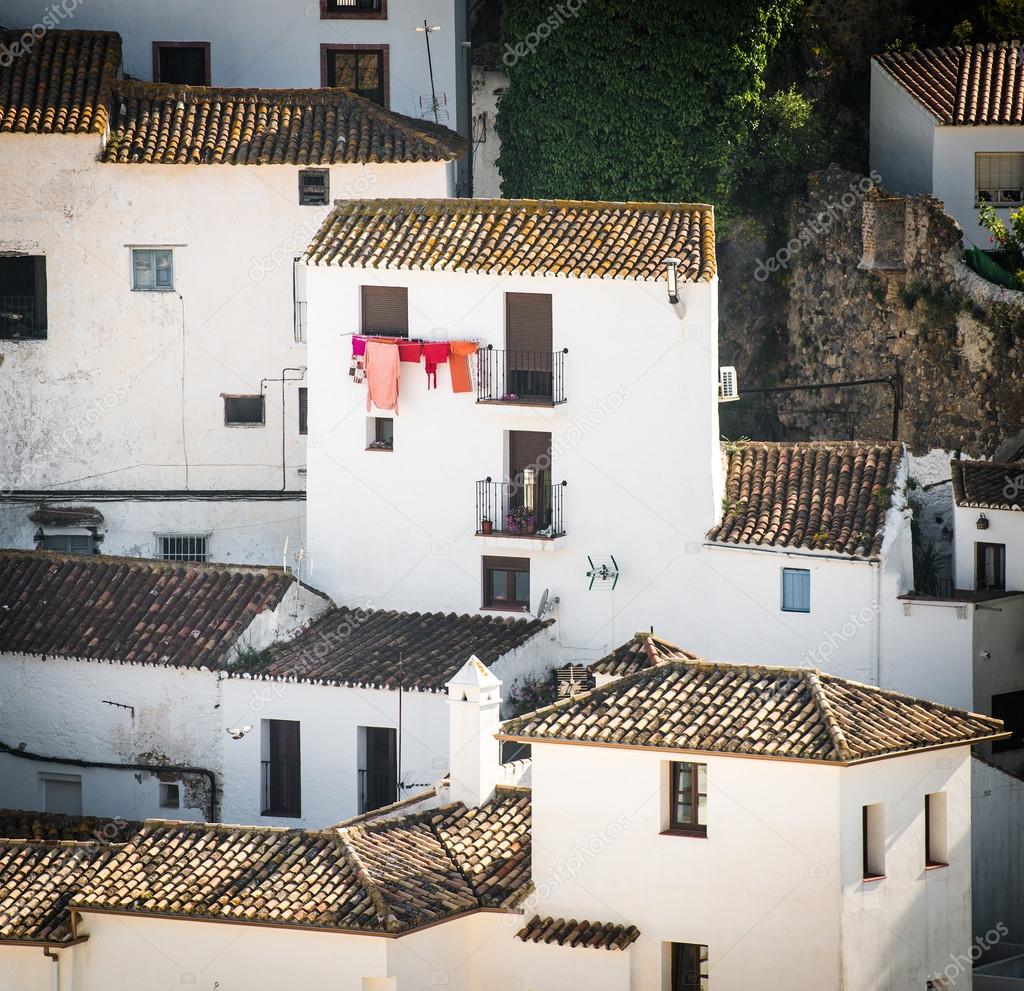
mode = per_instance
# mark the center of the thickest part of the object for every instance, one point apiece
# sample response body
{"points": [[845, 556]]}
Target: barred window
{"points": [[182, 547]]}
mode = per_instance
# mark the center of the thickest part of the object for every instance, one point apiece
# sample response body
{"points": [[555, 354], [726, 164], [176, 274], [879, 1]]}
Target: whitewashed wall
{"points": [[997, 801], [488, 87], [273, 44], [1004, 527], [901, 136], [635, 374]]}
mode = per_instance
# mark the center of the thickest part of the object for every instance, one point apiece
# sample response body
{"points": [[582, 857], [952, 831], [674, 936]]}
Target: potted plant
{"points": [[521, 520], [486, 526]]}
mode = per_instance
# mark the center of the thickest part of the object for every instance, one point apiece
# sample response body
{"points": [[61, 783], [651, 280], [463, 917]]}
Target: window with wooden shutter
{"points": [[303, 410], [528, 342], [282, 788], [529, 472], [506, 583], [385, 311]]}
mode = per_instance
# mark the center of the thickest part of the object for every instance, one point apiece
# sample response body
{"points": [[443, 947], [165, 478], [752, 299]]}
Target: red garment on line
{"points": [[410, 351], [434, 353]]}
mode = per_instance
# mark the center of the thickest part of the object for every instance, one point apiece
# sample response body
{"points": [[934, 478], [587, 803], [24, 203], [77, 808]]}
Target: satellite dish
{"points": [[543, 607]]}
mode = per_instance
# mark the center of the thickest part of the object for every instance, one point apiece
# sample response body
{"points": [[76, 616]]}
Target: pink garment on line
{"points": [[358, 345], [434, 353], [381, 376]]}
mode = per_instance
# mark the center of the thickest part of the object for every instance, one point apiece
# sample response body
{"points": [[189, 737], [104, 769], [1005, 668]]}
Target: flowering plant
{"points": [[520, 520]]}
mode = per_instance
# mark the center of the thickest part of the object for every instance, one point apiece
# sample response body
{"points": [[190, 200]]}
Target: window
{"points": [[689, 967], [281, 766], [688, 798], [375, 9], [69, 543], [872, 836], [62, 793], [314, 187], [935, 843], [1009, 707], [999, 177], [23, 298], [796, 590], [303, 410], [152, 269], [170, 796], [529, 364], [990, 567], [507, 583], [380, 433], [183, 62], [385, 311], [182, 547], [377, 750], [243, 411], [363, 69]]}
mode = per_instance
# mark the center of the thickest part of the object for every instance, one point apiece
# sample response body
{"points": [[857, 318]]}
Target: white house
{"points": [[577, 471], [153, 322], [775, 826], [946, 121]]}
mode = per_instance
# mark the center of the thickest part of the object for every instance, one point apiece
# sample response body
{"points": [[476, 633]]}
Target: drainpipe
{"points": [[283, 379], [55, 969], [876, 661]]}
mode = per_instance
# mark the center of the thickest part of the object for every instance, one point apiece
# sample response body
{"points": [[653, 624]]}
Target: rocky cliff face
{"points": [[871, 286]]}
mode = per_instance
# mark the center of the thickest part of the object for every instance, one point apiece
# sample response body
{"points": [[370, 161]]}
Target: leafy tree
{"points": [[609, 100]]}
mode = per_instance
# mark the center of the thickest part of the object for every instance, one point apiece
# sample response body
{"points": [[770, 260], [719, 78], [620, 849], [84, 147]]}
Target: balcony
{"points": [[527, 508], [520, 378], [376, 789], [280, 788], [18, 319]]}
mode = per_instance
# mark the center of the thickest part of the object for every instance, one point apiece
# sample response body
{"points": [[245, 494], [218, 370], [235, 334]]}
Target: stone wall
{"points": [[870, 286]]}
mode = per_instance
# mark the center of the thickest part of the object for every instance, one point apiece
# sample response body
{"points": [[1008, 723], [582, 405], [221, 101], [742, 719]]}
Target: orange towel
{"points": [[459, 364], [381, 375]]}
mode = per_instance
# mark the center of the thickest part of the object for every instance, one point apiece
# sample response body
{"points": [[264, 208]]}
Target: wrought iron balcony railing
{"points": [[18, 318], [529, 378], [525, 507]]}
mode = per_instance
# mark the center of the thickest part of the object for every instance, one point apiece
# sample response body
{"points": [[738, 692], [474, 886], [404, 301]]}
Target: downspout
{"points": [[54, 969], [876, 648], [283, 379]]}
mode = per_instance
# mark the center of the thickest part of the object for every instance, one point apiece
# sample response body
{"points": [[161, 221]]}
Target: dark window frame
{"points": [[378, 786], [693, 826], [159, 46], [379, 442], [12, 312], [380, 331], [688, 970], [303, 404], [510, 566], [1009, 704], [282, 798], [980, 570], [385, 67], [330, 11], [325, 187], [245, 423], [88, 538]]}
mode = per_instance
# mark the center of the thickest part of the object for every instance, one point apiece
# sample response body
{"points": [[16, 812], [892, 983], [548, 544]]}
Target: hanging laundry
{"points": [[410, 351], [357, 370], [358, 344], [381, 375], [434, 353], [462, 351]]}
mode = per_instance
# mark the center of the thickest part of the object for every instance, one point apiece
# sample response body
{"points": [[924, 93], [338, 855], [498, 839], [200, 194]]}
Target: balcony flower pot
{"points": [[521, 521], [486, 526]]}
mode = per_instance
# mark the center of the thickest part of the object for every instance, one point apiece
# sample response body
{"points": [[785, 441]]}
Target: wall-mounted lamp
{"points": [[947, 535], [39, 537], [982, 523], [672, 271]]}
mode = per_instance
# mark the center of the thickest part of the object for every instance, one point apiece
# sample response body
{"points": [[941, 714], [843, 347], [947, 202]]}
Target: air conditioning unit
{"points": [[728, 387]]}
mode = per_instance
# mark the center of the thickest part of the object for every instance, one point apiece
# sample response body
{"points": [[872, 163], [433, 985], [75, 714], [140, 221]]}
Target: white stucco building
{"points": [[153, 323], [821, 843], [946, 121]]}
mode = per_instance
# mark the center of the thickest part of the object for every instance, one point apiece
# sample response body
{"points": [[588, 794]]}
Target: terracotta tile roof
{"points": [[61, 84], [385, 878], [988, 484], [376, 647], [971, 84], [17, 824], [160, 123], [38, 880], [569, 932], [580, 239], [829, 496], [794, 713], [644, 651], [129, 609]]}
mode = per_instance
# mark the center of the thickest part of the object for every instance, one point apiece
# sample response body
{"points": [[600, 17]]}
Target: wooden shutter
{"points": [[528, 449], [39, 285], [386, 310], [303, 409], [285, 767], [528, 322]]}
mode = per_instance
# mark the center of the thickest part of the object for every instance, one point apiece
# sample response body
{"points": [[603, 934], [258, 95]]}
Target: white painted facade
{"points": [[1005, 526], [278, 44], [636, 442], [126, 392], [914, 154]]}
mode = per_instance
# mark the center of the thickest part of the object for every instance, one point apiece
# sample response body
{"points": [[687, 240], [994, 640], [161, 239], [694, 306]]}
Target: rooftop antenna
{"points": [[427, 29]]}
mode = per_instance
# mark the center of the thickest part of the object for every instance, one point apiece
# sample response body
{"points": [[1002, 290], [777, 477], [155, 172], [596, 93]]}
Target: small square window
{"points": [[380, 433], [361, 69], [182, 547], [244, 411], [353, 8], [170, 796], [185, 63], [69, 543], [152, 269], [506, 583], [796, 590], [314, 187]]}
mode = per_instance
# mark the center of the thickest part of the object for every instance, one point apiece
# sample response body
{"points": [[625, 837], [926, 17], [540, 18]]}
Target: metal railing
{"points": [[525, 377], [376, 789], [279, 788], [521, 508], [354, 4], [18, 317]]}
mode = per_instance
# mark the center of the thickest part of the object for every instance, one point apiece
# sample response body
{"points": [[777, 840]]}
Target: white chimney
{"points": [[474, 701]]}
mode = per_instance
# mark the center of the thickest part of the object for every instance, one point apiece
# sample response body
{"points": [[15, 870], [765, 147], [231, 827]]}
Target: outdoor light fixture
{"points": [[672, 270], [947, 534], [982, 523]]}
